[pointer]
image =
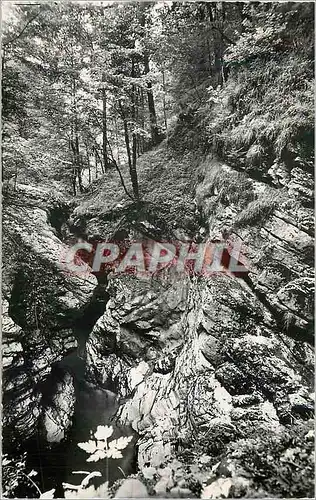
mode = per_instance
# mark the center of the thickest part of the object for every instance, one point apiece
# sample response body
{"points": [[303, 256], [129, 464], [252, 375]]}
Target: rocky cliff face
{"points": [[220, 362], [214, 374], [41, 309]]}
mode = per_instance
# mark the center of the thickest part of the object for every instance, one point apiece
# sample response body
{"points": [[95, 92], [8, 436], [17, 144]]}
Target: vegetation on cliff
{"points": [[169, 121]]}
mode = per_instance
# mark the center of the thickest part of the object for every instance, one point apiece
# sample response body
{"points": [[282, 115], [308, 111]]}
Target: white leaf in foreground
{"points": [[89, 446], [114, 453], [48, 494], [86, 480], [32, 473], [103, 432], [72, 487], [98, 455], [120, 443], [101, 445]]}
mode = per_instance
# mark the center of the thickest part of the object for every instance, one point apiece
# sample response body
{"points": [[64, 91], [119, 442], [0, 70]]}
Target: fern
{"points": [[98, 449]]}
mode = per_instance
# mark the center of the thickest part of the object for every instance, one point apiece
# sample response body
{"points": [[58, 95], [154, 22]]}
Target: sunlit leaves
{"points": [[117, 445], [103, 432], [98, 455], [100, 448], [89, 447]]}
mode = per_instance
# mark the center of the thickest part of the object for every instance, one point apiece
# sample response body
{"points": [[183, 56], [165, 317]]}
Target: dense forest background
{"points": [[88, 88], [158, 121]]}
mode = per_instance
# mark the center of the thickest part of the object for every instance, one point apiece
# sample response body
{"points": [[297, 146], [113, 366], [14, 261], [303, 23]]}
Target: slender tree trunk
{"points": [[78, 162], [137, 120], [134, 149], [131, 163], [133, 171], [72, 144], [151, 105], [128, 148], [96, 152], [150, 97], [76, 173], [96, 163], [104, 127], [88, 164], [142, 107], [117, 141], [215, 12], [74, 141], [164, 100], [74, 168]]}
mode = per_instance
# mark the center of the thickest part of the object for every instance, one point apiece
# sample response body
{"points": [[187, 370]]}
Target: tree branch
{"points": [[9, 42], [120, 173]]}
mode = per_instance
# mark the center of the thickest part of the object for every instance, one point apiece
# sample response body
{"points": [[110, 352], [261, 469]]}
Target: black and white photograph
{"points": [[157, 249]]}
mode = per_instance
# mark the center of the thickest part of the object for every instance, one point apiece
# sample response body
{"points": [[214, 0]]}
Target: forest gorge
{"points": [[158, 121]]}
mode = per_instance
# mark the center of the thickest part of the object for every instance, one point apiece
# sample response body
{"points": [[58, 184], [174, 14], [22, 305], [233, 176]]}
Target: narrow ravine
{"points": [[158, 272], [58, 463]]}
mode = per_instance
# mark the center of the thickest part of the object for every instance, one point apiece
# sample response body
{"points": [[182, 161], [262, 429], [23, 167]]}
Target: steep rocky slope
{"points": [[205, 383], [215, 367], [42, 308], [214, 374]]}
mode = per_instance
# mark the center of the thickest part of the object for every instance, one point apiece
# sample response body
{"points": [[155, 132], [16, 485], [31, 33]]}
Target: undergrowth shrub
{"points": [[227, 187], [283, 465], [257, 212], [265, 113], [17, 480]]}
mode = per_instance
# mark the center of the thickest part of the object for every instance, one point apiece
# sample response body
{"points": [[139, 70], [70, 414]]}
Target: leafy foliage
{"points": [[15, 475], [98, 449], [282, 465], [256, 212]]}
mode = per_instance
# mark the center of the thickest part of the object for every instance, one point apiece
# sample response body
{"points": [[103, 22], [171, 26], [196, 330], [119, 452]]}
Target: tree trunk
{"points": [[142, 107], [131, 162], [128, 148], [117, 141], [164, 100], [74, 169], [96, 162], [78, 162], [134, 149], [133, 171], [88, 164], [150, 97], [215, 12], [74, 141], [104, 128], [151, 105]]}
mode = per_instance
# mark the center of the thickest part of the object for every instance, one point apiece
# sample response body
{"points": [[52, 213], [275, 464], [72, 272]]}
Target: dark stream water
{"points": [[94, 406]]}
